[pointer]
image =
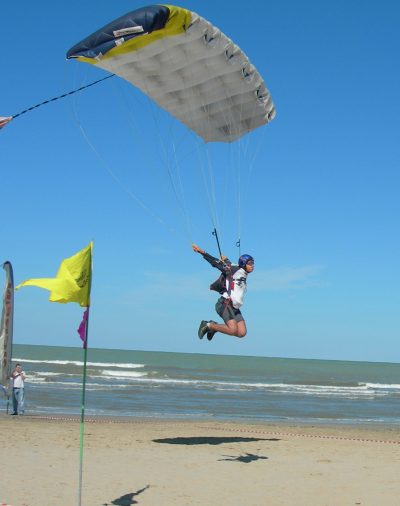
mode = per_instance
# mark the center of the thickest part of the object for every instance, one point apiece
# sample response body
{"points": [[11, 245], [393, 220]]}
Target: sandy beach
{"points": [[158, 462]]}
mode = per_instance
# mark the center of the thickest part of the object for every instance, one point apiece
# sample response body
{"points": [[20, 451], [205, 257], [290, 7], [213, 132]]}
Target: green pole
{"points": [[82, 422]]}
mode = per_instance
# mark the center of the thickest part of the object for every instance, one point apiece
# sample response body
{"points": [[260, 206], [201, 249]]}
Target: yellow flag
{"points": [[73, 280]]}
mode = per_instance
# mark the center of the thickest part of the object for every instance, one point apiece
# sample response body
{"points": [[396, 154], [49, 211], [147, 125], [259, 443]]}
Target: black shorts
{"points": [[227, 312]]}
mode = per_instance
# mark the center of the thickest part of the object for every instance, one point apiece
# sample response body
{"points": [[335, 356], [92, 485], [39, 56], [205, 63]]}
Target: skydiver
{"points": [[232, 287]]}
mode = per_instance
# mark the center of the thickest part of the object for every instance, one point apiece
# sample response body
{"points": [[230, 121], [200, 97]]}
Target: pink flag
{"points": [[82, 328], [4, 121]]}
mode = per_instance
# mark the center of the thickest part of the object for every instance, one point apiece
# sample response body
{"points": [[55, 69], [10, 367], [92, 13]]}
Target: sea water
{"points": [[126, 383]]}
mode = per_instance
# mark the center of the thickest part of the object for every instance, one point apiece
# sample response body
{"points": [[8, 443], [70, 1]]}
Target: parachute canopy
{"points": [[187, 66]]}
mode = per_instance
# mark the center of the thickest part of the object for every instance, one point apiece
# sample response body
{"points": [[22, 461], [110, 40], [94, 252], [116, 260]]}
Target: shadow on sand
{"points": [[209, 440], [246, 458], [127, 499]]}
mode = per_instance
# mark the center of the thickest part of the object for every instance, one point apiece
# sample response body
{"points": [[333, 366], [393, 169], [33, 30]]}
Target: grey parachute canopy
{"points": [[187, 66]]}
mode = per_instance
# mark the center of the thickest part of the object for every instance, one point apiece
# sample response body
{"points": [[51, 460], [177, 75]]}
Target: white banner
{"points": [[6, 327]]}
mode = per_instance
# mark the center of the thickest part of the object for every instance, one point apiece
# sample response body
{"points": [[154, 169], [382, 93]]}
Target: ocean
{"points": [[125, 383]]}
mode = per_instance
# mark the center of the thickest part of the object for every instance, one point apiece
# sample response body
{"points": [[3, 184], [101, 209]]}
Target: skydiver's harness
{"points": [[225, 282]]}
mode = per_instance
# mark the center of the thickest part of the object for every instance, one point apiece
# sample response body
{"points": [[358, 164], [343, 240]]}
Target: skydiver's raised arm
{"points": [[222, 264]]}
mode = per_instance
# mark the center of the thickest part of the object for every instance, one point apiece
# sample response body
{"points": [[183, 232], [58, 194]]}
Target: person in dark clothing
{"points": [[232, 287]]}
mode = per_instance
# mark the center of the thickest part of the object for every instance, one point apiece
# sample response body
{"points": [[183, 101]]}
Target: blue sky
{"points": [[319, 185]]}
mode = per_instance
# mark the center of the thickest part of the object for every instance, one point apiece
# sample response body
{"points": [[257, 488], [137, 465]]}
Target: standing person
{"points": [[18, 390], [232, 287]]}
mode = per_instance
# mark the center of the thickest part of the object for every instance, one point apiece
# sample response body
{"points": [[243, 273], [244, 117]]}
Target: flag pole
{"points": [[73, 284], [82, 421]]}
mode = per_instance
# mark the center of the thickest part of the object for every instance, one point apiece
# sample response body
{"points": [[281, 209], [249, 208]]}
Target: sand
{"points": [[161, 463]]}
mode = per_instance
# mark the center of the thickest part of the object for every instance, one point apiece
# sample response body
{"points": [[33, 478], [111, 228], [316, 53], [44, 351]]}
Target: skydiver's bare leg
{"points": [[231, 328]]}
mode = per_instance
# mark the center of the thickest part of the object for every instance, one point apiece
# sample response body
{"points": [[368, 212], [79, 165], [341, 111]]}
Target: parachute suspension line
{"points": [[54, 99], [172, 165], [207, 168], [213, 196], [236, 164], [252, 159], [174, 173], [249, 148], [238, 246], [242, 179], [238, 194], [111, 173], [136, 132], [165, 160], [208, 176], [201, 146], [233, 102], [233, 176], [245, 159], [205, 162], [206, 184], [182, 193], [235, 160], [215, 233]]}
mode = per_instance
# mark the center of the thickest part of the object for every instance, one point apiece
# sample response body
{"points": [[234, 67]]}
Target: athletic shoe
{"points": [[203, 329], [210, 333]]}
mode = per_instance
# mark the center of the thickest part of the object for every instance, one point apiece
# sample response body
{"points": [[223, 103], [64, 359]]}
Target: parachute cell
{"points": [[187, 66]]}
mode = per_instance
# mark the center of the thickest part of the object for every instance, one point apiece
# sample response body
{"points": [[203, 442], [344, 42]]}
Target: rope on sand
{"points": [[226, 429], [319, 436], [4, 504]]}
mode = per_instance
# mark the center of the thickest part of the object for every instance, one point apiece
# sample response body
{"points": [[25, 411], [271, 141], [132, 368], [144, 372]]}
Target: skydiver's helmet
{"points": [[244, 259]]}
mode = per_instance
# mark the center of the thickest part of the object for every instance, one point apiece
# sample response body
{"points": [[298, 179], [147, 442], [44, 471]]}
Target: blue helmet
{"points": [[244, 259]]}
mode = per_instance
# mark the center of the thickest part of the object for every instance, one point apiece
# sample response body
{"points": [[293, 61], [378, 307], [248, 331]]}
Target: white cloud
{"points": [[166, 286], [284, 278]]}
